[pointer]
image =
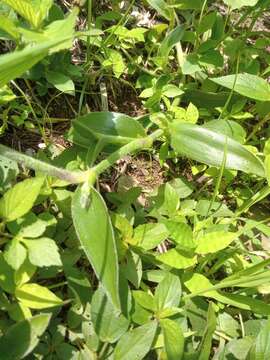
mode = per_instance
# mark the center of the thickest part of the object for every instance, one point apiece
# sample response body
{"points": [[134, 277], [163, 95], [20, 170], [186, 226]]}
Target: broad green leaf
{"points": [[207, 23], [148, 236], [19, 312], [7, 282], [168, 292], [261, 348], [237, 4], [169, 42], [21, 338], [28, 226], [24, 273], [251, 86], [17, 201], [62, 82], [227, 127], [177, 259], [36, 296], [43, 252], [107, 126], [15, 253], [95, 232], [136, 343], [207, 146], [173, 339], [15, 64], [180, 233], [162, 8], [215, 241], [116, 61], [206, 344], [9, 27], [192, 114], [33, 12], [108, 324], [144, 299]]}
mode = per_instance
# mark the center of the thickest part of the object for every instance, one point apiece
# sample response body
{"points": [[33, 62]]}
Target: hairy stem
{"points": [[35, 164], [133, 146]]}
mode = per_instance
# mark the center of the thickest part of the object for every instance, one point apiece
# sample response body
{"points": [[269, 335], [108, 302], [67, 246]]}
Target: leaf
{"points": [[261, 348], [9, 27], [237, 4], [192, 114], [115, 59], [108, 324], [168, 292], [207, 146], [33, 12], [215, 241], [180, 233], [6, 276], [136, 343], [15, 254], [162, 8], [95, 232], [177, 259], [207, 23], [43, 252], [21, 338], [173, 339], [247, 85], [148, 236], [107, 126], [17, 201], [144, 299], [206, 344], [267, 168], [28, 226], [36, 296], [15, 64], [62, 82], [169, 42]]}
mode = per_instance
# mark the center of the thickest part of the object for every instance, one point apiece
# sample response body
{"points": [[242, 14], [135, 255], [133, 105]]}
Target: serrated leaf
{"points": [[173, 339], [95, 232], [214, 241], [36, 296], [21, 338], [43, 252], [136, 343], [207, 146], [251, 86], [17, 201]]}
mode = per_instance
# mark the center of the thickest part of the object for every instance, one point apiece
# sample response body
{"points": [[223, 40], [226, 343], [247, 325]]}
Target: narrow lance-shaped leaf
{"points": [[207, 146], [95, 232], [161, 7], [206, 344], [248, 85]]}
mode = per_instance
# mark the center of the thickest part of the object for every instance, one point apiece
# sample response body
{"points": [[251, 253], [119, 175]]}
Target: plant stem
{"points": [[32, 163], [137, 144], [77, 177]]}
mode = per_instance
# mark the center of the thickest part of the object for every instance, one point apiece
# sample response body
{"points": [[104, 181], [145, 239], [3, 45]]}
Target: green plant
{"points": [[100, 276]]}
